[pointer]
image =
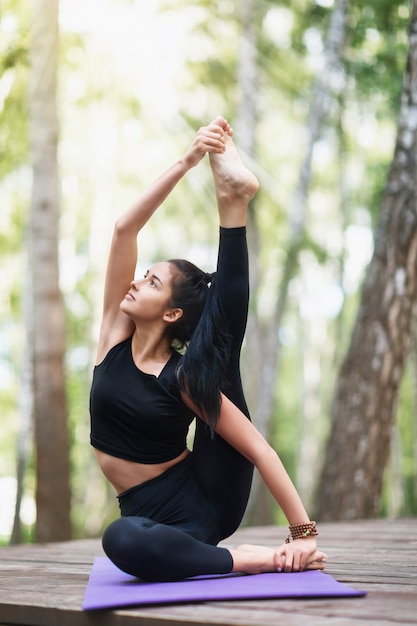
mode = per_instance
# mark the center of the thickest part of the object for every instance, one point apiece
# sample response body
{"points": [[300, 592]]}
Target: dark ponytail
{"points": [[203, 330]]}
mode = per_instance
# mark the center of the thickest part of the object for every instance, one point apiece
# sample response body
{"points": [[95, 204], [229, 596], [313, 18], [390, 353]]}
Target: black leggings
{"points": [[170, 526]]}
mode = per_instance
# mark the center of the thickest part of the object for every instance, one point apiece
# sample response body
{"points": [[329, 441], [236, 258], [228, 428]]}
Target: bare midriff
{"points": [[124, 474]]}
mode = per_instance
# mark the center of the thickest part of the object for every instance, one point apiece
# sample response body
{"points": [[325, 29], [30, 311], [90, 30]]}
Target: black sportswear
{"points": [[137, 416]]}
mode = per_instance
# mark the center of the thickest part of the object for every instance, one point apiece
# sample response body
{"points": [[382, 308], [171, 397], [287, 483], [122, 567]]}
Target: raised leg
{"points": [[235, 185], [224, 474]]}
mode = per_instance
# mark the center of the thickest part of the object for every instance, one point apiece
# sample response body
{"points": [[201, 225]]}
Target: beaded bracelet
{"points": [[301, 531]]}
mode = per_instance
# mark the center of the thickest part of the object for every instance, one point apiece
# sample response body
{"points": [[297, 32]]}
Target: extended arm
{"points": [[116, 326], [242, 435]]}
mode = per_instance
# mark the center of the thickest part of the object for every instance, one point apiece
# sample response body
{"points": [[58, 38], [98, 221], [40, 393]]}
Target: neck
{"points": [[149, 347]]}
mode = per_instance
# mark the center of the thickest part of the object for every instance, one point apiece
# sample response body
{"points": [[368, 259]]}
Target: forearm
{"points": [[282, 488], [123, 252], [133, 219], [240, 433]]}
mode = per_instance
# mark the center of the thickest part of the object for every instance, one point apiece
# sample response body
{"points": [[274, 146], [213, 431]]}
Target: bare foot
{"points": [[252, 559], [235, 184]]}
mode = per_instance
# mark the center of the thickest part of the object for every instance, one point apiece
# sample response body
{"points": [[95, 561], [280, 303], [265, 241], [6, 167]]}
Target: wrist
{"points": [[306, 530], [191, 158], [184, 164]]}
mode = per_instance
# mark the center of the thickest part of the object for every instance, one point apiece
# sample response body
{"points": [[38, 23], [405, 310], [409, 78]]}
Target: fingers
{"points": [[316, 561], [211, 138], [315, 565], [296, 559], [214, 136], [290, 560], [295, 562], [223, 124], [319, 556]]}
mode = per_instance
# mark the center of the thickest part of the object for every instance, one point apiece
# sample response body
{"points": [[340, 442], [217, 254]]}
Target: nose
{"points": [[135, 284]]}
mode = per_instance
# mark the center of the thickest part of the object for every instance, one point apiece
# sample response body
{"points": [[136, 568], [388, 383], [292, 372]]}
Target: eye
{"points": [[153, 283]]}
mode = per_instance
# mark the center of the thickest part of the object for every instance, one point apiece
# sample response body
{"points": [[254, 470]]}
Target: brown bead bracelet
{"points": [[302, 531]]}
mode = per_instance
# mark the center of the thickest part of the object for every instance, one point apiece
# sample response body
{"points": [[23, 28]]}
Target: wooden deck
{"points": [[43, 585]]}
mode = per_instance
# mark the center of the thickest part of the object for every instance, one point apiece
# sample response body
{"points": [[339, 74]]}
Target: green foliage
{"points": [[308, 15], [377, 50], [371, 195], [11, 240], [13, 126], [14, 28]]}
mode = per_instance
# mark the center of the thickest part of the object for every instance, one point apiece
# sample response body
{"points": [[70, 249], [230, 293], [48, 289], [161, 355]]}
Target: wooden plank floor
{"points": [[43, 585]]}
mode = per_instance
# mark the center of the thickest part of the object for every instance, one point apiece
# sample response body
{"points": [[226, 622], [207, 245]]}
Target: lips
{"points": [[130, 296]]}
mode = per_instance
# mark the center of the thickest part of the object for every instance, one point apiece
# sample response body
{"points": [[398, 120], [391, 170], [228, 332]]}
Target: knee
{"points": [[125, 540], [115, 539]]}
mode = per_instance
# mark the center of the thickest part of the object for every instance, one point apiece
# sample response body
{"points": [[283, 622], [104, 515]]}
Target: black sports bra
{"points": [[137, 416]]}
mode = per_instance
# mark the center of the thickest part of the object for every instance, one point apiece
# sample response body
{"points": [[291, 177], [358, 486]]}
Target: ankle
{"points": [[232, 218]]}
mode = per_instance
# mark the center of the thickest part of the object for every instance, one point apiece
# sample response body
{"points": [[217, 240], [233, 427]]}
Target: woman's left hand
{"points": [[299, 555], [210, 138]]}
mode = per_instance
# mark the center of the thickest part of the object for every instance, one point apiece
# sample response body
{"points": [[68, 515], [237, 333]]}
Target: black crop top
{"points": [[137, 416]]}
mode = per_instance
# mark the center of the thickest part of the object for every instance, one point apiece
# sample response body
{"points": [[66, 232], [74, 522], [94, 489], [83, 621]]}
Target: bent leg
{"points": [[224, 474], [156, 552]]}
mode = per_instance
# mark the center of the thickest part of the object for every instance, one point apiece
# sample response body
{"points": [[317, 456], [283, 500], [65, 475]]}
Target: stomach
{"points": [[124, 474]]}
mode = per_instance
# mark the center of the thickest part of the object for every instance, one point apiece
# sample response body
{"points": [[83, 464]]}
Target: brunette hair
{"points": [[203, 333]]}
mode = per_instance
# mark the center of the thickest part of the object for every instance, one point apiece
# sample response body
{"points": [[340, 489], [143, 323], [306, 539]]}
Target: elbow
{"points": [[119, 227], [264, 455], [123, 231]]}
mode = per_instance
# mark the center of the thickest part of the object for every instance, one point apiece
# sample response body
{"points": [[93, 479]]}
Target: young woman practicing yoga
{"points": [[176, 504]]}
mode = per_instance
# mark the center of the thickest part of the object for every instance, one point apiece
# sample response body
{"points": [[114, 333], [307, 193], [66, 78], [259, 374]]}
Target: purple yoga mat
{"points": [[108, 587]]}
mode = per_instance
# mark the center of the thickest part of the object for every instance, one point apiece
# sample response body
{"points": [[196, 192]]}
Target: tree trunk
{"points": [[48, 327], [366, 393], [25, 434]]}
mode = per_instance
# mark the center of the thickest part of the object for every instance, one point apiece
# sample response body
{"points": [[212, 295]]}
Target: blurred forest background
{"points": [[97, 97]]}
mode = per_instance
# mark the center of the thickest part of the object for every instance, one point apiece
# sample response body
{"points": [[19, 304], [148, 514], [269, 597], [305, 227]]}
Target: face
{"points": [[149, 298]]}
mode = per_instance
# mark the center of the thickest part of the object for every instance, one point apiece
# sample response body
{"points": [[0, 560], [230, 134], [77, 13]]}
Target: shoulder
{"points": [[105, 350], [170, 370], [169, 375], [112, 332]]}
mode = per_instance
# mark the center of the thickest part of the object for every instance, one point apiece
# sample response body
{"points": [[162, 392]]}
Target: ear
{"points": [[172, 315]]}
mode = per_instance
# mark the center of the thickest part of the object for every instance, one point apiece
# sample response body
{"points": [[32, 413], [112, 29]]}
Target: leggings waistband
{"points": [[179, 469]]}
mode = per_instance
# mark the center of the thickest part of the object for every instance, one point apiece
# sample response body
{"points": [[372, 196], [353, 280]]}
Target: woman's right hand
{"points": [[299, 555], [210, 138]]}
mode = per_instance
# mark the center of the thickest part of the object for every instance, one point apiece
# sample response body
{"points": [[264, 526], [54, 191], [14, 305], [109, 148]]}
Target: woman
{"points": [[177, 505]]}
